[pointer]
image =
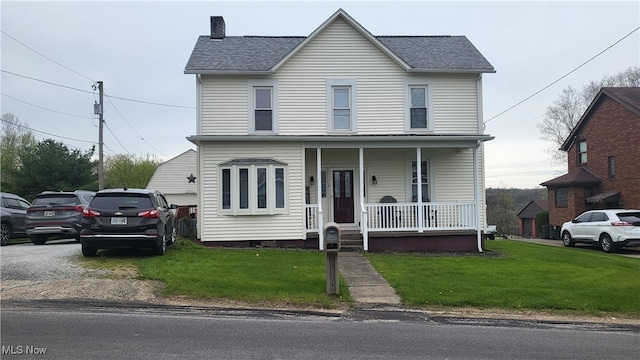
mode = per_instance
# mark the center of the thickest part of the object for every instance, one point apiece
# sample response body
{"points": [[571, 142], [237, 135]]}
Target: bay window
{"points": [[253, 187]]}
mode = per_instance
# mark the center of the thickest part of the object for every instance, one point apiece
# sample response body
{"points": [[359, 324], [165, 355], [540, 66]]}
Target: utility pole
{"points": [[100, 138]]}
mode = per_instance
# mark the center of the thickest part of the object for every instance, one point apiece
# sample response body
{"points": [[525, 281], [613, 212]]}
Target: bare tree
{"points": [[563, 115]]}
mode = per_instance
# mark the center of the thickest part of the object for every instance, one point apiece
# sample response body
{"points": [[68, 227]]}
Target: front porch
{"points": [[409, 226]]}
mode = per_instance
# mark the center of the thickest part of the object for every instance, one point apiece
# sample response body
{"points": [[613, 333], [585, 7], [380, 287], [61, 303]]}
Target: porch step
{"points": [[351, 242]]}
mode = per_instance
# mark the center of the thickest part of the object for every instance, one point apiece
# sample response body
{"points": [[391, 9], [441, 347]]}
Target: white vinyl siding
{"points": [[171, 178], [340, 52], [224, 106], [215, 225]]}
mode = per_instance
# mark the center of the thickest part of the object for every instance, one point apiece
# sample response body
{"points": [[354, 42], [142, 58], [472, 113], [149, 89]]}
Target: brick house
{"points": [[602, 162]]}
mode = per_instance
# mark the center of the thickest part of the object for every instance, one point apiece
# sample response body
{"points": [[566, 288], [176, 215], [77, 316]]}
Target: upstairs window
{"points": [[341, 106], [252, 187], [582, 152], [417, 98], [418, 108], [262, 106]]}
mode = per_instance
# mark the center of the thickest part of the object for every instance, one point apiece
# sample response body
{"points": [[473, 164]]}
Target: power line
{"points": [[46, 133], [115, 137], [44, 108], [132, 128], [48, 58], [46, 82], [567, 74], [91, 92]]}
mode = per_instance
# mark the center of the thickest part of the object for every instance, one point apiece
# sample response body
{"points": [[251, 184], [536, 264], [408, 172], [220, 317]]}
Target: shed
{"points": [[176, 179], [527, 225]]}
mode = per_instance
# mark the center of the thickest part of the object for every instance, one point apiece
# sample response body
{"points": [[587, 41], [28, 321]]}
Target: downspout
{"points": [[319, 195], [198, 104], [363, 211], [476, 164], [476, 194], [200, 157]]}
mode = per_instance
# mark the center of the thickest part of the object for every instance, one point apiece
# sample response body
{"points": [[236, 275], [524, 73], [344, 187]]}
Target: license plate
{"points": [[49, 213], [118, 221]]}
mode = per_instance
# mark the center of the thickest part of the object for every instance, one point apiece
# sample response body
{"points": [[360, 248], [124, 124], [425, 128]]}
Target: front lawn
{"points": [[517, 275], [285, 276]]}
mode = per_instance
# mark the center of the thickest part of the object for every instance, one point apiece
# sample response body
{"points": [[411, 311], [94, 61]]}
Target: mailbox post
{"points": [[331, 248]]}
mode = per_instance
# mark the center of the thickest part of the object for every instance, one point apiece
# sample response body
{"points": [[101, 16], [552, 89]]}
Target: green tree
{"points": [[14, 139], [128, 171], [51, 165]]}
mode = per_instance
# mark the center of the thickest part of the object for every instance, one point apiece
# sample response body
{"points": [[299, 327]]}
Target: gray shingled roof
{"points": [[261, 53]]}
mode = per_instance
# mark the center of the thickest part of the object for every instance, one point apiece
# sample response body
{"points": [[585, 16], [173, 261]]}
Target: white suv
{"points": [[610, 229]]}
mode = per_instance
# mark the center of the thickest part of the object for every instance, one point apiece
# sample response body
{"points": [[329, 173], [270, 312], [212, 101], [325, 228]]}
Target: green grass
{"points": [[19, 240], [516, 275], [250, 275]]}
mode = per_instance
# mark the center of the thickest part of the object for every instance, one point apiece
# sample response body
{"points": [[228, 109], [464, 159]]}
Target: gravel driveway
{"points": [[54, 271]]}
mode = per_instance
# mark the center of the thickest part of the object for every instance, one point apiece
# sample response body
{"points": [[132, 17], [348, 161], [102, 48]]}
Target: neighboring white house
{"points": [[295, 132], [177, 179]]}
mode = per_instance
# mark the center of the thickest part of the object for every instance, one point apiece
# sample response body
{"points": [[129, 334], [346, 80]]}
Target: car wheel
{"points": [[566, 239], [162, 248], [89, 251], [39, 239], [6, 234], [172, 238], [606, 244]]}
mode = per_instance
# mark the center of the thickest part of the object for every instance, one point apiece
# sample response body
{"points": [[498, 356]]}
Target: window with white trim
{"points": [[341, 106], [263, 116], [418, 114], [253, 187]]}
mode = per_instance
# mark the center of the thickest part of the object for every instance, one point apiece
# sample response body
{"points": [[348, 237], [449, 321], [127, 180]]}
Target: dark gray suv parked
{"points": [[128, 218], [56, 213], [14, 210]]}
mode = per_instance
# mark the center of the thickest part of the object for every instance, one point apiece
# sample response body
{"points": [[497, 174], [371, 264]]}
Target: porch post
{"points": [[419, 188], [476, 194], [319, 196], [363, 211]]}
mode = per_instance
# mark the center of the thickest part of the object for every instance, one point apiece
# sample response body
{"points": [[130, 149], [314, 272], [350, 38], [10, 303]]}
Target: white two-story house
{"points": [[382, 135]]}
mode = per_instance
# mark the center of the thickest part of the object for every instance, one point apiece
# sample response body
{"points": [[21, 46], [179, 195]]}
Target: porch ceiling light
{"points": [[374, 181]]}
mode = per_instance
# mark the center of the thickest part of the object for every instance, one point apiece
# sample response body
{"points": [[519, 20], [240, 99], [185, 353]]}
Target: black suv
{"points": [[123, 218], [56, 213]]}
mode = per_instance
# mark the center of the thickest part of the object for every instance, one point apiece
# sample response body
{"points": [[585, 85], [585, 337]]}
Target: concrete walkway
{"points": [[366, 285]]}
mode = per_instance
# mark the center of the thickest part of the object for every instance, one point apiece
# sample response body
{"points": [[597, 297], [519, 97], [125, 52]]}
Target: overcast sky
{"points": [[53, 52]]}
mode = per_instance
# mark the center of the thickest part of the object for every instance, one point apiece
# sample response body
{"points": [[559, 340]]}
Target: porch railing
{"points": [[311, 215], [405, 216]]}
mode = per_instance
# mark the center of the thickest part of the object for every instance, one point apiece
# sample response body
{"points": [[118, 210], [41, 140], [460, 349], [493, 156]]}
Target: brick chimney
{"points": [[217, 27]]}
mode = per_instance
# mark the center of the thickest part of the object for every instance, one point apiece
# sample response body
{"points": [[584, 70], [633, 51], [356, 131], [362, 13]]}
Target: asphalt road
{"points": [[147, 333]]}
